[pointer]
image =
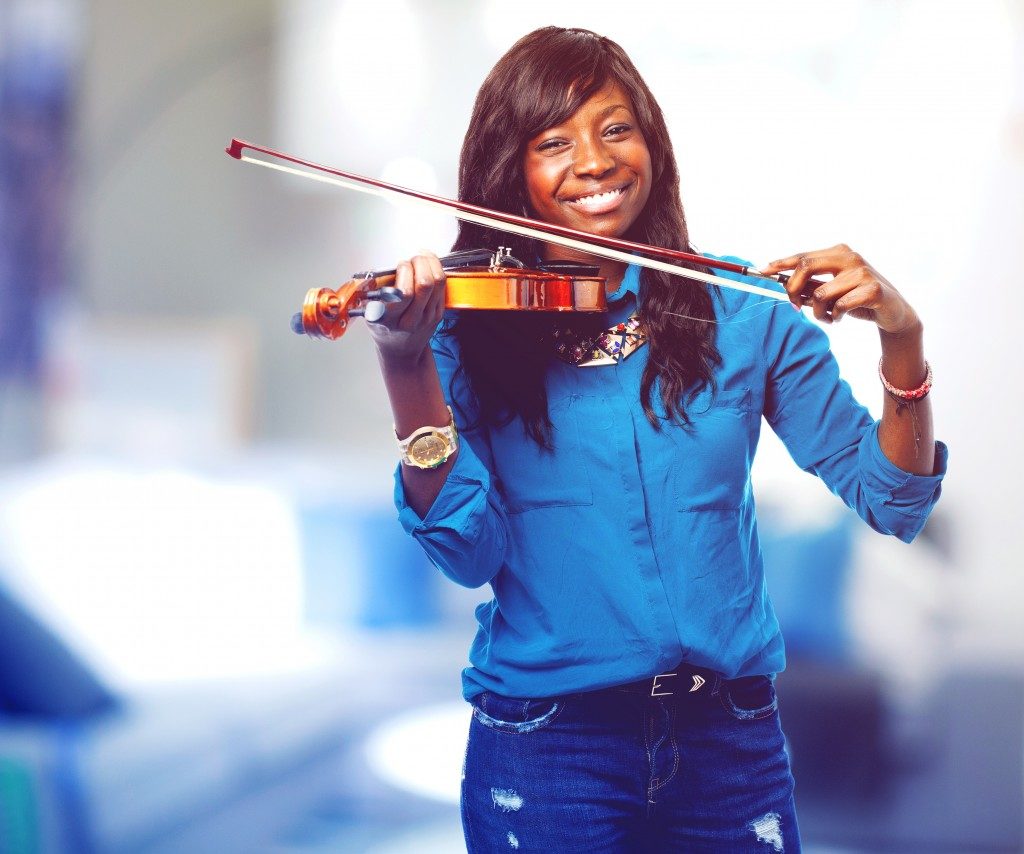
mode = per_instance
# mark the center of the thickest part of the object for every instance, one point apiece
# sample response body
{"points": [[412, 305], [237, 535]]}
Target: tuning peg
{"points": [[387, 294]]}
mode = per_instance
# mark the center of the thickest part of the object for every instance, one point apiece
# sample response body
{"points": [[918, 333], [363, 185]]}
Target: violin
{"points": [[500, 284], [476, 279]]}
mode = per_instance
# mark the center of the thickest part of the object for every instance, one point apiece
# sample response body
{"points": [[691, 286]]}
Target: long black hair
{"points": [[542, 81]]}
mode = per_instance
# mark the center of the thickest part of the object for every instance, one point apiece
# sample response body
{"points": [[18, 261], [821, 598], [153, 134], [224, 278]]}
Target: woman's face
{"points": [[593, 171]]}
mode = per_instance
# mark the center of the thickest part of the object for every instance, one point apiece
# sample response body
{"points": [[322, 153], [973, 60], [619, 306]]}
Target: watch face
{"points": [[428, 450]]}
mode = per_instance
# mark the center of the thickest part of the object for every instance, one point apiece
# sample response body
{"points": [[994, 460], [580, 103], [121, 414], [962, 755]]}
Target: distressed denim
{"points": [[611, 771]]}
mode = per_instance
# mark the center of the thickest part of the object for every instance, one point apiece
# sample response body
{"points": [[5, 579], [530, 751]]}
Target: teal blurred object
{"points": [[807, 572], [19, 820]]}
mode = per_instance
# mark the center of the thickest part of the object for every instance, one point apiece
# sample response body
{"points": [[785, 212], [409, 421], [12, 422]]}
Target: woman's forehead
{"points": [[609, 94]]}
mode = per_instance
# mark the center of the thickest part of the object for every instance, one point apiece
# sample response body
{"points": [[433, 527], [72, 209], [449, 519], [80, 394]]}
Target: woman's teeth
{"points": [[599, 202], [597, 196]]}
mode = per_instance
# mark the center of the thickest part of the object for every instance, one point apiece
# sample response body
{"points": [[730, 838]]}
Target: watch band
{"points": [[429, 447]]}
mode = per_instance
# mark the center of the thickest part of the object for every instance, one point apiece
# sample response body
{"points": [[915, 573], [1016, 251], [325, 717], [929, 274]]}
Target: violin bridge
{"points": [[498, 257], [504, 258]]}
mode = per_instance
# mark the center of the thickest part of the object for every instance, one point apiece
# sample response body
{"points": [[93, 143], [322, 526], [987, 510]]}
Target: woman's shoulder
{"points": [[733, 298], [734, 306], [753, 320]]}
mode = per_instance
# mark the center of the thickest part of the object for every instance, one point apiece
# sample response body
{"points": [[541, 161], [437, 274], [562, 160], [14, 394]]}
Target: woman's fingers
{"points": [[808, 264], [856, 288], [861, 301], [435, 310], [824, 298], [404, 328], [415, 287], [425, 281], [417, 280], [793, 261], [395, 311]]}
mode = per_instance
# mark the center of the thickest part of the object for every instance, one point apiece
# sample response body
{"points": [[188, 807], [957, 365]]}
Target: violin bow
{"points": [[605, 247]]}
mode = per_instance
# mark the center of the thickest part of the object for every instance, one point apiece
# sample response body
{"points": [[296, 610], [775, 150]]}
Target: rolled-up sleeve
{"points": [[465, 531], [831, 435], [902, 500]]}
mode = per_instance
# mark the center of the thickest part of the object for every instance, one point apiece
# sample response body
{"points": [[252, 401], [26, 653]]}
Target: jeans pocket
{"points": [[514, 714], [750, 698]]}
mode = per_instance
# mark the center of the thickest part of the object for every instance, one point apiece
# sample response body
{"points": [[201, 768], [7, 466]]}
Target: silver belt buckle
{"points": [[655, 685]]}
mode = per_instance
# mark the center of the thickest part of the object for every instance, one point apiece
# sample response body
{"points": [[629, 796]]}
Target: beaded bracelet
{"points": [[913, 394]]}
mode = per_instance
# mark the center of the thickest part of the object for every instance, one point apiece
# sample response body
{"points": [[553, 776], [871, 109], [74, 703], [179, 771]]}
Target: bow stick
{"points": [[605, 247]]}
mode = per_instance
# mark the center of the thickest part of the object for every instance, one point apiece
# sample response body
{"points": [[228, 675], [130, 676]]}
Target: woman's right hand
{"points": [[403, 333]]}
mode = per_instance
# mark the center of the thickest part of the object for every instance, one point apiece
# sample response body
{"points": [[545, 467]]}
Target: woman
{"points": [[622, 675]]}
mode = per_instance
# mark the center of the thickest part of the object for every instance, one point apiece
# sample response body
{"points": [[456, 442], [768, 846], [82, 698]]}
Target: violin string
{"points": [[728, 319]]}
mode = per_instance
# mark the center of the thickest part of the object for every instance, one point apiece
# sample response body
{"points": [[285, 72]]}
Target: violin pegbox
{"points": [[325, 312]]}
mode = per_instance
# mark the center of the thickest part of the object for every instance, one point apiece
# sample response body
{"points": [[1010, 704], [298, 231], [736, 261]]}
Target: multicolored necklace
{"points": [[603, 348]]}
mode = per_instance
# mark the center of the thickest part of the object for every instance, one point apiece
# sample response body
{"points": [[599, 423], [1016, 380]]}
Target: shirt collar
{"points": [[630, 284]]}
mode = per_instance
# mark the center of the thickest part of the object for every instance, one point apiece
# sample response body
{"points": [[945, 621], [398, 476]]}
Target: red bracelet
{"points": [[912, 394]]}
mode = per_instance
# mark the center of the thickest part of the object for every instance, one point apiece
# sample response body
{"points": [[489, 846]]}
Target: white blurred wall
{"points": [[896, 127]]}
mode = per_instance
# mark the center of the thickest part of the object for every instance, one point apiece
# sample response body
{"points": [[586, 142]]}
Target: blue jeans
{"points": [[621, 771]]}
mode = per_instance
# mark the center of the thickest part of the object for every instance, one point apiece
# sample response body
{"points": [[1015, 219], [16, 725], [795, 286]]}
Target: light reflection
{"points": [[421, 751], [420, 229], [158, 574], [345, 86]]}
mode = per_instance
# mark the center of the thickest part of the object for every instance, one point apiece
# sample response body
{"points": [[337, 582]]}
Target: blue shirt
{"points": [[628, 550]]}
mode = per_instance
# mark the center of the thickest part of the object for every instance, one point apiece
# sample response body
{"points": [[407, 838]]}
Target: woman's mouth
{"points": [[599, 203]]}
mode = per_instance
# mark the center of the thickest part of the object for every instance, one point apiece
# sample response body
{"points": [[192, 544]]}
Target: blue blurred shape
{"points": [[807, 572], [39, 676], [361, 567]]}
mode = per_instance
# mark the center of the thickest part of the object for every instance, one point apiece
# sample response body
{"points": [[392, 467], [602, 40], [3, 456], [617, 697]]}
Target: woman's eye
{"points": [[550, 144], [616, 130]]}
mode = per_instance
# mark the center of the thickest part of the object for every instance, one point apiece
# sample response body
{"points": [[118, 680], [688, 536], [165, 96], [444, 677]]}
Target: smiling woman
{"points": [[592, 172], [554, 88], [622, 674]]}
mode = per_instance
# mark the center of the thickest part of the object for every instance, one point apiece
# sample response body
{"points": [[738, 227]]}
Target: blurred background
{"points": [[214, 635]]}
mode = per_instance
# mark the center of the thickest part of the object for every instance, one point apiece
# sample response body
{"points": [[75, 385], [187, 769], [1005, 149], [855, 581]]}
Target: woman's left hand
{"points": [[856, 288]]}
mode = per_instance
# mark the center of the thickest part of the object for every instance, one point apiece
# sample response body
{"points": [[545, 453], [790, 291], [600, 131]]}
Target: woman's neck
{"points": [[611, 271]]}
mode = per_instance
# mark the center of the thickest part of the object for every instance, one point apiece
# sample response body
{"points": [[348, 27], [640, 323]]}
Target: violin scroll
{"points": [[325, 312]]}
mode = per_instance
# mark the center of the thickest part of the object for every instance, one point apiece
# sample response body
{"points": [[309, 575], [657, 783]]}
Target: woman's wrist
{"points": [[404, 361], [903, 361], [414, 389], [912, 333]]}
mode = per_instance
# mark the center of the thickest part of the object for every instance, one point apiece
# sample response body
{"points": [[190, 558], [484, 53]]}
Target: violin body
{"points": [[515, 289], [504, 285]]}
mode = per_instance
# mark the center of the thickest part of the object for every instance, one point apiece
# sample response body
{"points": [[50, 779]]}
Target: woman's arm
{"points": [[453, 511], [410, 374], [905, 434]]}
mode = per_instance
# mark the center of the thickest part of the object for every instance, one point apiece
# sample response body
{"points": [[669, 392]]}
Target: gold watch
{"points": [[430, 447]]}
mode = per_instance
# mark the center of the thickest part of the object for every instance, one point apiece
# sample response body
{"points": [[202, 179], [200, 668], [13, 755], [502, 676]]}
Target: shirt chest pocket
{"points": [[532, 477], [712, 458]]}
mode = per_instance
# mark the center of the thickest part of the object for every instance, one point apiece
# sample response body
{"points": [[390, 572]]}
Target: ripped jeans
{"points": [[622, 772]]}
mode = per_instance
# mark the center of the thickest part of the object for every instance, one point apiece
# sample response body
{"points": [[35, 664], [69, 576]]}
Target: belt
{"points": [[681, 680]]}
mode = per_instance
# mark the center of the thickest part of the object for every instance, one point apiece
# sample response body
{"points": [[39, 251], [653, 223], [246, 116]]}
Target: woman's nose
{"points": [[592, 158]]}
